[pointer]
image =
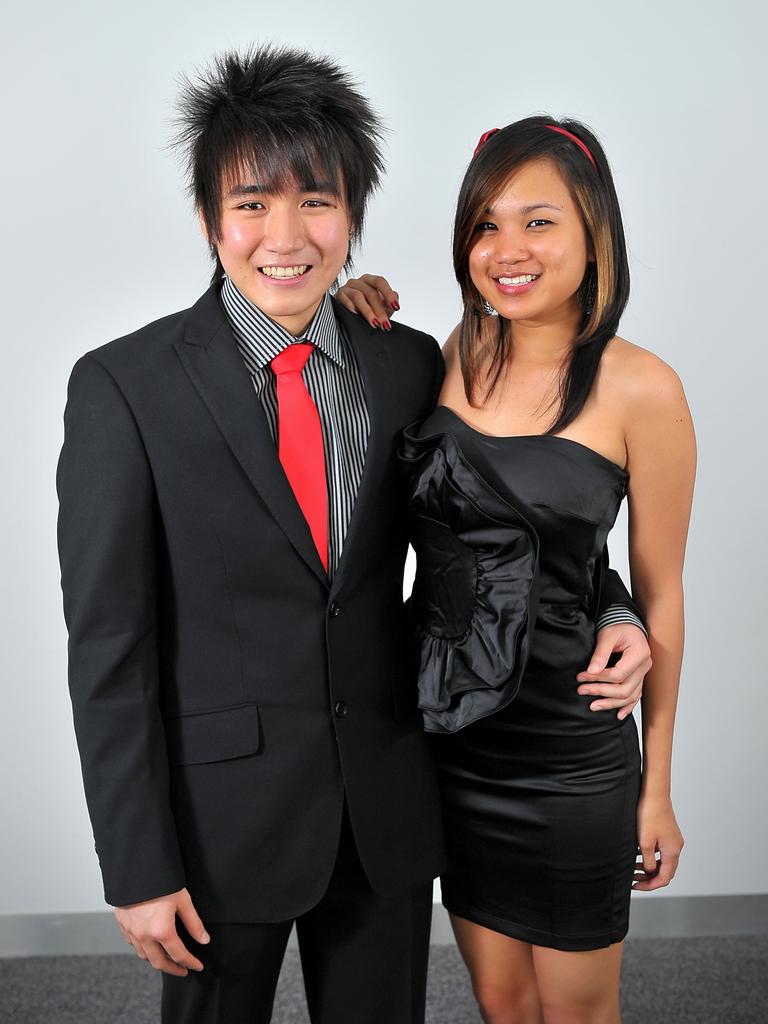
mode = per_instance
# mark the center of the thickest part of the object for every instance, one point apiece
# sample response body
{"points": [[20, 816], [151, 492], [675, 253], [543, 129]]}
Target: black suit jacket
{"points": [[225, 697]]}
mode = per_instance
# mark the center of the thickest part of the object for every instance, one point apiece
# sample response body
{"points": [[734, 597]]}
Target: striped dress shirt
{"points": [[333, 380], [615, 614]]}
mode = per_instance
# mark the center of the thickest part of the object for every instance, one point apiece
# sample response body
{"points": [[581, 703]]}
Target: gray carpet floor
{"points": [[680, 981]]}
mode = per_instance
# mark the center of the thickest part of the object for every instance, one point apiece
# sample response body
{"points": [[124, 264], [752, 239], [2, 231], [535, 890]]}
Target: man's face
{"points": [[283, 250]]}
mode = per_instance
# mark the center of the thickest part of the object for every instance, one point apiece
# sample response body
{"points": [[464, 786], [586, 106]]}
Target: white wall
{"points": [[99, 239]]}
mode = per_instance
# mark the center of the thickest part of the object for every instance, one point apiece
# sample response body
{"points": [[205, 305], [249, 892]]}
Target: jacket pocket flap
{"points": [[207, 736]]}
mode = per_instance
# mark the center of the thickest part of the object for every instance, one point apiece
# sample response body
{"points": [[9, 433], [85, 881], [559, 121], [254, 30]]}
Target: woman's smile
{"points": [[516, 284]]}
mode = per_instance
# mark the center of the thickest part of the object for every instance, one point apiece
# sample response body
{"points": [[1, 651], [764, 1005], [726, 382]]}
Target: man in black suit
{"points": [[243, 692]]}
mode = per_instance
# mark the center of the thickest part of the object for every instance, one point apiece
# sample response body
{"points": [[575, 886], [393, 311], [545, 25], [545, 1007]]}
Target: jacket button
{"points": [[340, 709], [334, 610]]}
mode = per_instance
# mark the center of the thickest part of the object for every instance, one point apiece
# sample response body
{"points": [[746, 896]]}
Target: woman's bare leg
{"points": [[579, 988], [502, 972]]}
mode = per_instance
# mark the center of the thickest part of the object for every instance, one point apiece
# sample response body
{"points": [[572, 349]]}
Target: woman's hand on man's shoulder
{"points": [[372, 297]]}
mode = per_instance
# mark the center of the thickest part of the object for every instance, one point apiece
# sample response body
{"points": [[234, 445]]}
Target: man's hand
{"points": [[621, 686], [150, 927]]}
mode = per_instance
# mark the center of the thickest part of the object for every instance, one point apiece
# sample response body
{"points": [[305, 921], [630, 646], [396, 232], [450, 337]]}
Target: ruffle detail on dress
{"points": [[475, 595]]}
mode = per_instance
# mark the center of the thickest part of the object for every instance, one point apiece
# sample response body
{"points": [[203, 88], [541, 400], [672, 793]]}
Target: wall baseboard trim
{"points": [[663, 917]]}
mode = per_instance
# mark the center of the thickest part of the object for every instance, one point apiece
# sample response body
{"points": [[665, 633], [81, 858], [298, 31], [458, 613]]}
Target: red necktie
{"points": [[300, 442]]}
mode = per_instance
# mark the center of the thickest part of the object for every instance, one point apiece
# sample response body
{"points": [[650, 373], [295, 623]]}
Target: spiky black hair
{"points": [[286, 115]]}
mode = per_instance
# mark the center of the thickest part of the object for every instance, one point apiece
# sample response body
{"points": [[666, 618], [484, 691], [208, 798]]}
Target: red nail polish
{"points": [[387, 325], [375, 323], [395, 305]]}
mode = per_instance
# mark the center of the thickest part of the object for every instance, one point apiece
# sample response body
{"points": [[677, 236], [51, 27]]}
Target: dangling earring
{"points": [[488, 309], [589, 295]]}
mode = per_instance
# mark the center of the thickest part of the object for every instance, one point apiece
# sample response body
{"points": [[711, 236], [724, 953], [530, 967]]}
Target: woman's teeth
{"points": [[284, 271], [522, 279]]}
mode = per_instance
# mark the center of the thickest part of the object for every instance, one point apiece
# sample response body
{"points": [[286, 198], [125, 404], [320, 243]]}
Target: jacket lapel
{"points": [[373, 359], [210, 357]]}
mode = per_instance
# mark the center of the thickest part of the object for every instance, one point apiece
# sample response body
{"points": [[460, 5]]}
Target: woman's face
{"points": [[531, 250]]}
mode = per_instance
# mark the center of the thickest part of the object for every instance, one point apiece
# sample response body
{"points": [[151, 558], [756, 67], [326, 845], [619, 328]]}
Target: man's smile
{"points": [[282, 272]]}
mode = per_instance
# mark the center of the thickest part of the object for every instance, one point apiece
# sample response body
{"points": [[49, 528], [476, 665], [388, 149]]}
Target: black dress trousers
{"points": [[363, 957]]}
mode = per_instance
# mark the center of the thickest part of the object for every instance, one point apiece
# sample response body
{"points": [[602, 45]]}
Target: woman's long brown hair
{"points": [[607, 278]]}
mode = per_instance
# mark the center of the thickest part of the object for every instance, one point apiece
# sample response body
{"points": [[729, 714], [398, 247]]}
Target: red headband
{"points": [[570, 135], [553, 128], [483, 139]]}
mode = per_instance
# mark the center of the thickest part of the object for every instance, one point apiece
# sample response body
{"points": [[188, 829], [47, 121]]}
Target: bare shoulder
{"points": [[639, 378], [451, 346], [452, 392], [651, 405]]}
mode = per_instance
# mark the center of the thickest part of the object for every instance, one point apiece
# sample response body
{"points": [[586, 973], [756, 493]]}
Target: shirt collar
{"points": [[260, 339]]}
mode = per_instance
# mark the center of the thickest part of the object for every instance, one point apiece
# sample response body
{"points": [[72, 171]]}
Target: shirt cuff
{"points": [[615, 614]]}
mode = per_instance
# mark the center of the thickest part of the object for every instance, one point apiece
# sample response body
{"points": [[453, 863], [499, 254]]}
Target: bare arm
{"points": [[661, 451]]}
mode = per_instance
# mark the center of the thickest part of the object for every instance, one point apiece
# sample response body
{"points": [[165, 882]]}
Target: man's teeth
{"points": [[522, 279], [284, 271]]}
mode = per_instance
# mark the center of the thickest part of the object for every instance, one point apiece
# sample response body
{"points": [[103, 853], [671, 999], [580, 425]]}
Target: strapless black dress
{"points": [[540, 793]]}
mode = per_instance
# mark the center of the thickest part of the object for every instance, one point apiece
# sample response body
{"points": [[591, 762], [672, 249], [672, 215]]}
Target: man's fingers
{"points": [[612, 704], [613, 688], [150, 927], [627, 710], [169, 955], [623, 695], [626, 690], [161, 961], [600, 655], [606, 675], [178, 952], [190, 918], [132, 942], [625, 668], [613, 691]]}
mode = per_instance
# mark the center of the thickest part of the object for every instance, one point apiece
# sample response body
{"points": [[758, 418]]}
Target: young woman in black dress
{"points": [[546, 420]]}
